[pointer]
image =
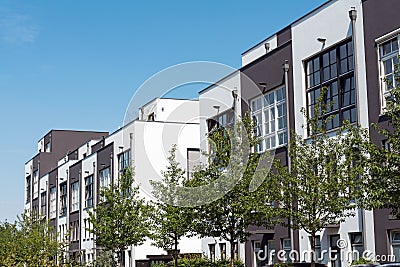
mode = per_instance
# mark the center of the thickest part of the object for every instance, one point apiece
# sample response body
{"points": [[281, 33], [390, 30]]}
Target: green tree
{"points": [[324, 182], [122, 217], [170, 221], [233, 165], [29, 242], [384, 186]]}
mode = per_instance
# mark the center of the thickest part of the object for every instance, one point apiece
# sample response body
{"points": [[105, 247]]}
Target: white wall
{"points": [[172, 110]]}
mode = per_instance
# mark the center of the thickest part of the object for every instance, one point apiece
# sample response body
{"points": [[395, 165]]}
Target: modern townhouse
{"points": [[89, 161]]}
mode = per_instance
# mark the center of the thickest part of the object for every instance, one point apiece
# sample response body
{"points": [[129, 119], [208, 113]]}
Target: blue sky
{"points": [[76, 64]]}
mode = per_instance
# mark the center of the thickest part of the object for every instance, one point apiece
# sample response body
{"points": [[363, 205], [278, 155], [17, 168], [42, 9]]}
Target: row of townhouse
{"points": [[64, 179], [349, 46]]}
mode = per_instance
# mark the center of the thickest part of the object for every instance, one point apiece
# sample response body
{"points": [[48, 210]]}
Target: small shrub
{"points": [[361, 260]]}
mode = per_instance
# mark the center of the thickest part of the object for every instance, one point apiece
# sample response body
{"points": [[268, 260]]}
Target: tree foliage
{"points": [[122, 217], [324, 181], [232, 164], [170, 221], [29, 242]]}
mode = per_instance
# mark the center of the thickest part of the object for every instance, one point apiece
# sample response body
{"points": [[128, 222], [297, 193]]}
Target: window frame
{"points": [[339, 81], [35, 184], [28, 180], [75, 196], [124, 160], [268, 105], [394, 243], [63, 199], [43, 203], [383, 89], [53, 203], [89, 191]]}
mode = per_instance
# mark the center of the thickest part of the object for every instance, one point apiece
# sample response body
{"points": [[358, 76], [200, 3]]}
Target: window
{"points": [[269, 113], [317, 249], [336, 260], [271, 252], [333, 69], [222, 248], [52, 203], [211, 248], [35, 184], [104, 178], [89, 191], [357, 246], [75, 196], [74, 228], [257, 253], [43, 204], [287, 247], [388, 59], [225, 119], [28, 189], [63, 199], [236, 250], [395, 243], [124, 160], [318, 253], [47, 147]]}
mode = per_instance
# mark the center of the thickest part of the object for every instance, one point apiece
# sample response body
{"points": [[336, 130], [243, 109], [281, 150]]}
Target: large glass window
{"points": [[63, 199], [43, 204], [334, 70], [89, 191], [53, 203], [336, 260], [222, 249], [225, 119], [269, 113], [357, 245], [211, 249], [35, 184], [395, 243], [105, 178], [258, 255], [124, 160], [287, 247], [28, 189], [271, 251], [75, 196], [388, 56]]}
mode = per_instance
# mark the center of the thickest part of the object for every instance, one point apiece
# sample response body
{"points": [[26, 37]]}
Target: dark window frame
{"points": [[341, 86]]}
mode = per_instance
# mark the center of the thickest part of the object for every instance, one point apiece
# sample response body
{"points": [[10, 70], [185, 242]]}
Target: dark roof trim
{"points": [[266, 55]]}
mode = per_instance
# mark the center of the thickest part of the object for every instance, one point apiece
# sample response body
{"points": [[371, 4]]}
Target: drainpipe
{"points": [[286, 70], [353, 18]]}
